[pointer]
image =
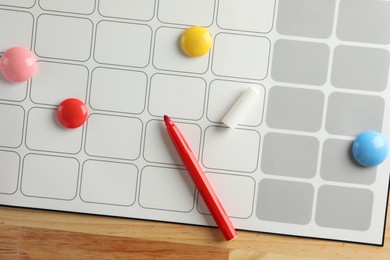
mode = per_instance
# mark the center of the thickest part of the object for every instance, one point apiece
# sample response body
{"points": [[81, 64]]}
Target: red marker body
{"points": [[199, 178]]}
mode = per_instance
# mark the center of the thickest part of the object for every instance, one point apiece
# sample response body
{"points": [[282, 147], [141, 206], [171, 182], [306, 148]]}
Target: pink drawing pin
{"points": [[18, 64]]}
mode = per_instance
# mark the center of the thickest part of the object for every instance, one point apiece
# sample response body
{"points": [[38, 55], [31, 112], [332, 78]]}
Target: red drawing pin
{"points": [[72, 113]]}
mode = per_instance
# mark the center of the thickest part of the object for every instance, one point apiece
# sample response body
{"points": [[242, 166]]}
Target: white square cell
{"points": [[222, 96], [246, 15], [50, 177], [123, 44], [9, 173], [166, 189], [159, 147], [15, 21], [12, 91], [189, 12], [169, 56], [177, 96], [231, 149], [128, 9], [241, 56], [18, 3], [113, 137], [109, 183], [45, 134], [63, 37], [236, 194], [11, 128], [118, 90], [70, 6], [56, 82]]}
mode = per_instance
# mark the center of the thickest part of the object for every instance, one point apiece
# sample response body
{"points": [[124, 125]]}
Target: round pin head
{"points": [[196, 41], [72, 113], [370, 148], [18, 64]]}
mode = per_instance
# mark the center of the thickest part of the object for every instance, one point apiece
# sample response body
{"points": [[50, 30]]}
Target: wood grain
{"points": [[39, 234]]}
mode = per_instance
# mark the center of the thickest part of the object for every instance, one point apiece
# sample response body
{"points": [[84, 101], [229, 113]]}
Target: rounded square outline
{"points": [[67, 12], [165, 163], [62, 63], [128, 19], [120, 65], [24, 125], [102, 203], [74, 17], [272, 24], [241, 176], [55, 122], [241, 82], [121, 69], [107, 157], [181, 76], [159, 209], [50, 155], [19, 172], [28, 7], [179, 50], [226, 169], [183, 24], [242, 35]]}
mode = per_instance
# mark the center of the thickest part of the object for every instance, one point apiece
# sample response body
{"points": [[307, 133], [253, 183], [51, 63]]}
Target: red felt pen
{"points": [[199, 178]]}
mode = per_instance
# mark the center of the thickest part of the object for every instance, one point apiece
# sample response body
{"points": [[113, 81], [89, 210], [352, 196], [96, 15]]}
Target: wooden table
{"points": [[39, 234]]}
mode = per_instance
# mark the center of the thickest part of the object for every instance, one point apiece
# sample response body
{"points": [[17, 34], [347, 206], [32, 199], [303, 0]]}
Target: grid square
{"points": [[360, 68], [364, 21], [109, 183], [200, 12], [241, 56], [128, 9], [70, 6], [127, 95], [285, 201], [246, 15], [123, 44], [223, 94], [22, 22], [158, 146], [45, 134], [183, 97], [52, 42], [12, 124], [359, 113], [290, 155], [12, 91], [168, 55], [231, 149], [338, 164], [295, 109], [307, 18], [236, 194], [300, 62], [19, 3], [344, 208], [113, 137], [50, 177], [166, 189], [10, 171], [51, 85]]}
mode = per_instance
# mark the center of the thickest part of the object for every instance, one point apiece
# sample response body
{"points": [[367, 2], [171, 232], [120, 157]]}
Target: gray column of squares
{"points": [[357, 76]]}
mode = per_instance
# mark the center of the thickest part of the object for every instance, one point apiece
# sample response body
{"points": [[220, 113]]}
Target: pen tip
{"points": [[166, 118]]}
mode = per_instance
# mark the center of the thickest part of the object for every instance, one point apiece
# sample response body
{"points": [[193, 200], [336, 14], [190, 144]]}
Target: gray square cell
{"points": [[290, 155], [364, 21], [338, 165], [344, 208], [308, 18], [352, 114], [295, 109], [360, 68], [285, 201], [300, 62]]}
